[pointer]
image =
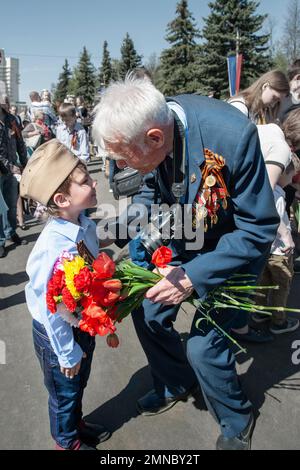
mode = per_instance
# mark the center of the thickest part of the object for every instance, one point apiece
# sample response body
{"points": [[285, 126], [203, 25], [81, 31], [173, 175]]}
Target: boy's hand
{"points": [[70, 372], [288, 242]]}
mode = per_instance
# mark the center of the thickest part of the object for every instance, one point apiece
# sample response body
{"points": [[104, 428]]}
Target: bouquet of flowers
{"points": [[95, 294]]}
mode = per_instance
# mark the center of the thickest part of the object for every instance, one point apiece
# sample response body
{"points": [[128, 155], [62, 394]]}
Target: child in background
{"points": [[279, 267], [71, 133]]}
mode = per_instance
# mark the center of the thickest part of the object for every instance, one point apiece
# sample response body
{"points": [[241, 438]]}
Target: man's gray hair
{"points": [[127, 109]]}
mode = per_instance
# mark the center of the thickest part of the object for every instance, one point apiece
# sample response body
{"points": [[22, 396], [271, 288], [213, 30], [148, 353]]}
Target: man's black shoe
{"points": [[297, 265], [152, 404], [240, 442], [17, 240], [92, 433], [2, 252]]}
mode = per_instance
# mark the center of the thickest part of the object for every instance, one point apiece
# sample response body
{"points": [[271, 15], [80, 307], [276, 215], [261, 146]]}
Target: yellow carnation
{"points": [[72, 268]]}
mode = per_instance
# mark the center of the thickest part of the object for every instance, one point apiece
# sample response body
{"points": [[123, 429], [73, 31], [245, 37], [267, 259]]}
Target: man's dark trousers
{"points": [[208, 360]]}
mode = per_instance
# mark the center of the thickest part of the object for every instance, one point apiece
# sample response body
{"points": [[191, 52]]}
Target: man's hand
{"points": [[70, 372], [173, 289]]}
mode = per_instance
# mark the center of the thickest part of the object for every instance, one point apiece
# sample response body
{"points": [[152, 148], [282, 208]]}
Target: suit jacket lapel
{"points": [[195, 156]]}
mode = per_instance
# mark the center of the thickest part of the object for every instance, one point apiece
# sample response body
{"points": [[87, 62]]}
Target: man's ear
{"points": [[61, 200], [265, 85], [155, 138]]}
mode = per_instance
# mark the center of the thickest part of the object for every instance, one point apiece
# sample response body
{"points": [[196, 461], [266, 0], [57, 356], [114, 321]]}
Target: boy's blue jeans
{"points": [[65, 395]]}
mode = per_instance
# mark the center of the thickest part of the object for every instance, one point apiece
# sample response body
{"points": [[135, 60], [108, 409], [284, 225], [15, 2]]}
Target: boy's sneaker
{"points": [[291, 324], [260, 317], [77, 445]]}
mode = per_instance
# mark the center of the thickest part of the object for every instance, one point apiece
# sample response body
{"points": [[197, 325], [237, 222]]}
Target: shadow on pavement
{"points": [[13, 300], [7, 280], [122, 408], [270, 369]]}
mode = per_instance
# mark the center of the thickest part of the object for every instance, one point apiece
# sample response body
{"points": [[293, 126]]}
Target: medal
{"points": [[212, 193], [210, 181]]}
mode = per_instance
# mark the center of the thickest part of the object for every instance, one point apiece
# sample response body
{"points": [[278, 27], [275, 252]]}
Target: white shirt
{"points": [[274, 147], [57, 236], [240, 103], [81, 147]]}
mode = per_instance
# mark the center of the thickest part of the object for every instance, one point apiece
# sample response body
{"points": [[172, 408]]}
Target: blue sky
{"points": [[31, 30]]}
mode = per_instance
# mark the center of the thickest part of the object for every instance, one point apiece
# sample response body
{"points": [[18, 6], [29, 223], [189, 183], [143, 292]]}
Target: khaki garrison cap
{"points": [[47, 168]]}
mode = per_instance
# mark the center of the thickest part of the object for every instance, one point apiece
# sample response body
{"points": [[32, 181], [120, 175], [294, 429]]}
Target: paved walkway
{"points": [[119, 376]]}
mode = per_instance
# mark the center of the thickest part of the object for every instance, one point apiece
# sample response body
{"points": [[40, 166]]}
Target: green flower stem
{"points": [[137, 280], [219, 328]]}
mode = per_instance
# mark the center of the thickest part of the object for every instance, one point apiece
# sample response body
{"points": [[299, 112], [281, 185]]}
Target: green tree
{"points": [[178, 63], [153, 67], [129, 57], [106, 71], [84, 83], [115, 64], [227, 18], [62, 87], [291, 32]]}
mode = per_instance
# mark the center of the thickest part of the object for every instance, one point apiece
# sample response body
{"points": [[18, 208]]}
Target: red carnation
{"points": [[68, 300], [83, 279], [161, 257], [51, 304], [104, 266], [58, 282]]}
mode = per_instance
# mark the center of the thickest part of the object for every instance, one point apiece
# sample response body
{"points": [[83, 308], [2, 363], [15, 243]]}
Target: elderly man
{"points": [[225, 182]]}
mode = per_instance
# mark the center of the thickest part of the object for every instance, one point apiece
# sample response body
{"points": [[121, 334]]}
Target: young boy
{"points": [[71, 133], [279, 267], [59, 180]]}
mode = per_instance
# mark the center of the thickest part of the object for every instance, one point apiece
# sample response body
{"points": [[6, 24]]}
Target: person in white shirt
{"points": [[71, 133], [279, 268], [276, 146], [260, 101]]}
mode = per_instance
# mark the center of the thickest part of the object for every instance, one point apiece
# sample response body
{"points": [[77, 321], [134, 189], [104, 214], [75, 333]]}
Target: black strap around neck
{"points": [[179, 159]]}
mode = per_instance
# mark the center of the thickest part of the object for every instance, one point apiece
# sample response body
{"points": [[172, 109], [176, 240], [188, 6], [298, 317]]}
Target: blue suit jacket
{"points": [[241, 239]]}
